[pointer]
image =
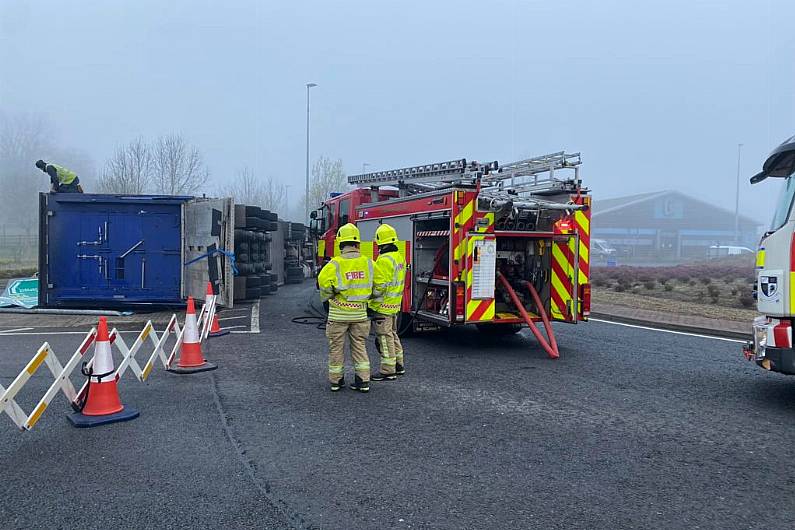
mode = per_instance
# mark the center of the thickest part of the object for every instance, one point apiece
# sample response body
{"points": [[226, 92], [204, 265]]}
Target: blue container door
{"points": [[124, 250], [90, 252]]}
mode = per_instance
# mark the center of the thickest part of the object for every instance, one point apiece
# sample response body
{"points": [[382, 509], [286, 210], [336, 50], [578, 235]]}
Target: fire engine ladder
{"points": [[520, 183], [431, 175], [524, 183], [536, 175]]}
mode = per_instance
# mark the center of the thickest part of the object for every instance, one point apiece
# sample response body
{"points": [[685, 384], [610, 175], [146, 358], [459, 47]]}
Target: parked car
{"points": [[601, 248], [719, 251]]}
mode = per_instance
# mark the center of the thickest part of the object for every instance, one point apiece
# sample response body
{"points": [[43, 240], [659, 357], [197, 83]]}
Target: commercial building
{"points": [[668, 225]]}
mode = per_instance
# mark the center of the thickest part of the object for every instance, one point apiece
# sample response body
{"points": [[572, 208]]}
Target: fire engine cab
{"points": [[500, 247]]}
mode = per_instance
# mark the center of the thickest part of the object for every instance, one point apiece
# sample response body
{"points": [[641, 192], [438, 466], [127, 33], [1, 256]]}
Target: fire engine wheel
{"points": [[499, 329]]}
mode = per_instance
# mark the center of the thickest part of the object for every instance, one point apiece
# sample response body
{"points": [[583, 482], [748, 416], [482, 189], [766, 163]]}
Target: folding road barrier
{"points": [[61, 373]]}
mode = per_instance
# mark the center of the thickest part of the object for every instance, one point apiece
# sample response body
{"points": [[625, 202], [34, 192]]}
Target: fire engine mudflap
{"points": [[497, 247], [771, 346]]}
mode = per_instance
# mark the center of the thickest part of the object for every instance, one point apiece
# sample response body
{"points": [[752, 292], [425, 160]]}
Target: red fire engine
{"points": [[496, 246]]}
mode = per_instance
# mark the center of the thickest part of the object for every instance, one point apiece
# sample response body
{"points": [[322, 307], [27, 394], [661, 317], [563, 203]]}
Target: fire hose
{"points": [[550, 347]]}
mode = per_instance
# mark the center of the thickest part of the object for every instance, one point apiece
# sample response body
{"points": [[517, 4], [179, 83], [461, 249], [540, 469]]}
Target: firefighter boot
{"points": [[380, 376], [399, 370], [360, 386], [339, 385]]}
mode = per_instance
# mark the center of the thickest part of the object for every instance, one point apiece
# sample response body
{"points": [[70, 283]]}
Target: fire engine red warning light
{"points": [[563, 226]]}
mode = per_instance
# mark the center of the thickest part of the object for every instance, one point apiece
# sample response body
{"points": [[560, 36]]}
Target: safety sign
{"points": [[22, 292]]}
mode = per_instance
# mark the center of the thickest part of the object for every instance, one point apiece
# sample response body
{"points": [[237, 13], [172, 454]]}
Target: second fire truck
{"points": [[497, 246]]}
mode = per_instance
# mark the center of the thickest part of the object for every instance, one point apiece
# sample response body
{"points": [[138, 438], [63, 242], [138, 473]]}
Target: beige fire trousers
{"points": [[357, 333], [386, 333]]}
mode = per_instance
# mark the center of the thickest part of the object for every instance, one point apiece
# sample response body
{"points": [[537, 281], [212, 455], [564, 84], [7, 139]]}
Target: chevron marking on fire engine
{"points": [[485, 227], [582, 222], [463, 221], [562, 268]]}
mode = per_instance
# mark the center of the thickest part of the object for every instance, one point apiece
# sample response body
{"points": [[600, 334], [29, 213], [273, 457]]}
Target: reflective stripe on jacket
{"points": [[388, 284], [65, 176], [347, 283]]}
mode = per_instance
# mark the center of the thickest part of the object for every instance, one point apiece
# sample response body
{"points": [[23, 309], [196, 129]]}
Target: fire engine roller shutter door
{"points": [[481, 276], [402, 225]]}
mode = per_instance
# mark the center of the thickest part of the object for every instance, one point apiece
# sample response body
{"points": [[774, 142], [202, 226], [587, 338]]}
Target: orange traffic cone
{"points": [[215, 326], [102, 404], [191, 359], [215, 329]]}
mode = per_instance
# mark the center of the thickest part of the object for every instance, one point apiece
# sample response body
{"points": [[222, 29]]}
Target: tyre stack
{"points": [[293, 244], [252, 243]]}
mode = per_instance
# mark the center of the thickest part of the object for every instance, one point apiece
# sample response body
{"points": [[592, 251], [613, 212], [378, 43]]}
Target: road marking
{"points": [[233, 318], [58, 333], [255, 317], [13, 330], [667, 331]]}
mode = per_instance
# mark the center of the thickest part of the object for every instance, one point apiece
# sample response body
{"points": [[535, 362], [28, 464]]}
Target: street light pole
{"points": [[306, 197], [737, 198]]}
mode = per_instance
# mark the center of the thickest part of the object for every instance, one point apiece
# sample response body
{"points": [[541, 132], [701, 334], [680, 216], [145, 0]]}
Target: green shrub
{"points": [[620, 287], [713, 291], [669, 287], [649, 284], [706, 281]]}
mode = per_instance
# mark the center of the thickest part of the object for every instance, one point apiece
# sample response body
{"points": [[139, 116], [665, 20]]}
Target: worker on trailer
{"points": [[347, 283], [390, 277], [62, 179]]}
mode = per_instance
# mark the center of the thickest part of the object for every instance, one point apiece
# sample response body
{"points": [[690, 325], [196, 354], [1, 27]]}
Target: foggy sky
{"points": [[656, 95]]}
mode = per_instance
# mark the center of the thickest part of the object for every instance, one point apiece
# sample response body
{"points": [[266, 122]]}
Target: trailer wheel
{"points": [[498, 330]]}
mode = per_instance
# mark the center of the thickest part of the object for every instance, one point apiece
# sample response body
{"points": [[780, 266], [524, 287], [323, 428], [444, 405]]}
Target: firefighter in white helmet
{"points": [[390, 277], [347, 283]]}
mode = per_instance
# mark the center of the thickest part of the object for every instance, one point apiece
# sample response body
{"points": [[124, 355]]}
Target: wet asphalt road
{"points": [[628, 429]]}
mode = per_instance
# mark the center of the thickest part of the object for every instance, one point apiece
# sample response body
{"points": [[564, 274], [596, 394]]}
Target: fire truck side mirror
{"points": [[313, 215]]}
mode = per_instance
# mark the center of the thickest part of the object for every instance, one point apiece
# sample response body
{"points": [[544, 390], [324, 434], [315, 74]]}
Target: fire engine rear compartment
{"points": [[520, 257]]}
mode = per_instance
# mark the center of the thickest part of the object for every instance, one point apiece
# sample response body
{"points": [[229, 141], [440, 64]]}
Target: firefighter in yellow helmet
{"points": [[347, 283], [388, 283]]}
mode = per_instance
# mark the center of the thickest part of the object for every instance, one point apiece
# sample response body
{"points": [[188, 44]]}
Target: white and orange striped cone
{"points": [[215, 326], [191, 359], [102, 404]]}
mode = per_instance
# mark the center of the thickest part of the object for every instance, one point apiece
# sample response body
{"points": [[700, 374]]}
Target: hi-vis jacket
{"points": [[65, 176], [390, 277], [347, 283]]}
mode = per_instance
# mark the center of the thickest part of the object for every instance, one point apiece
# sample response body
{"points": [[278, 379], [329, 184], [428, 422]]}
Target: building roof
{"points": [[604, 206]]}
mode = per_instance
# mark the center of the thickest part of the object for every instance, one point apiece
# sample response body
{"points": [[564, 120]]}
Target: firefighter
{"points": [[62, 179], [347, 283], [390, 276]]}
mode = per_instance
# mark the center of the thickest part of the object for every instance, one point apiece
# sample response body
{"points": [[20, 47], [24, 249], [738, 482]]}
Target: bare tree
{"points": [[178, 167], [247, 188], [327, 176], [24, 138], [129, 170]]}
